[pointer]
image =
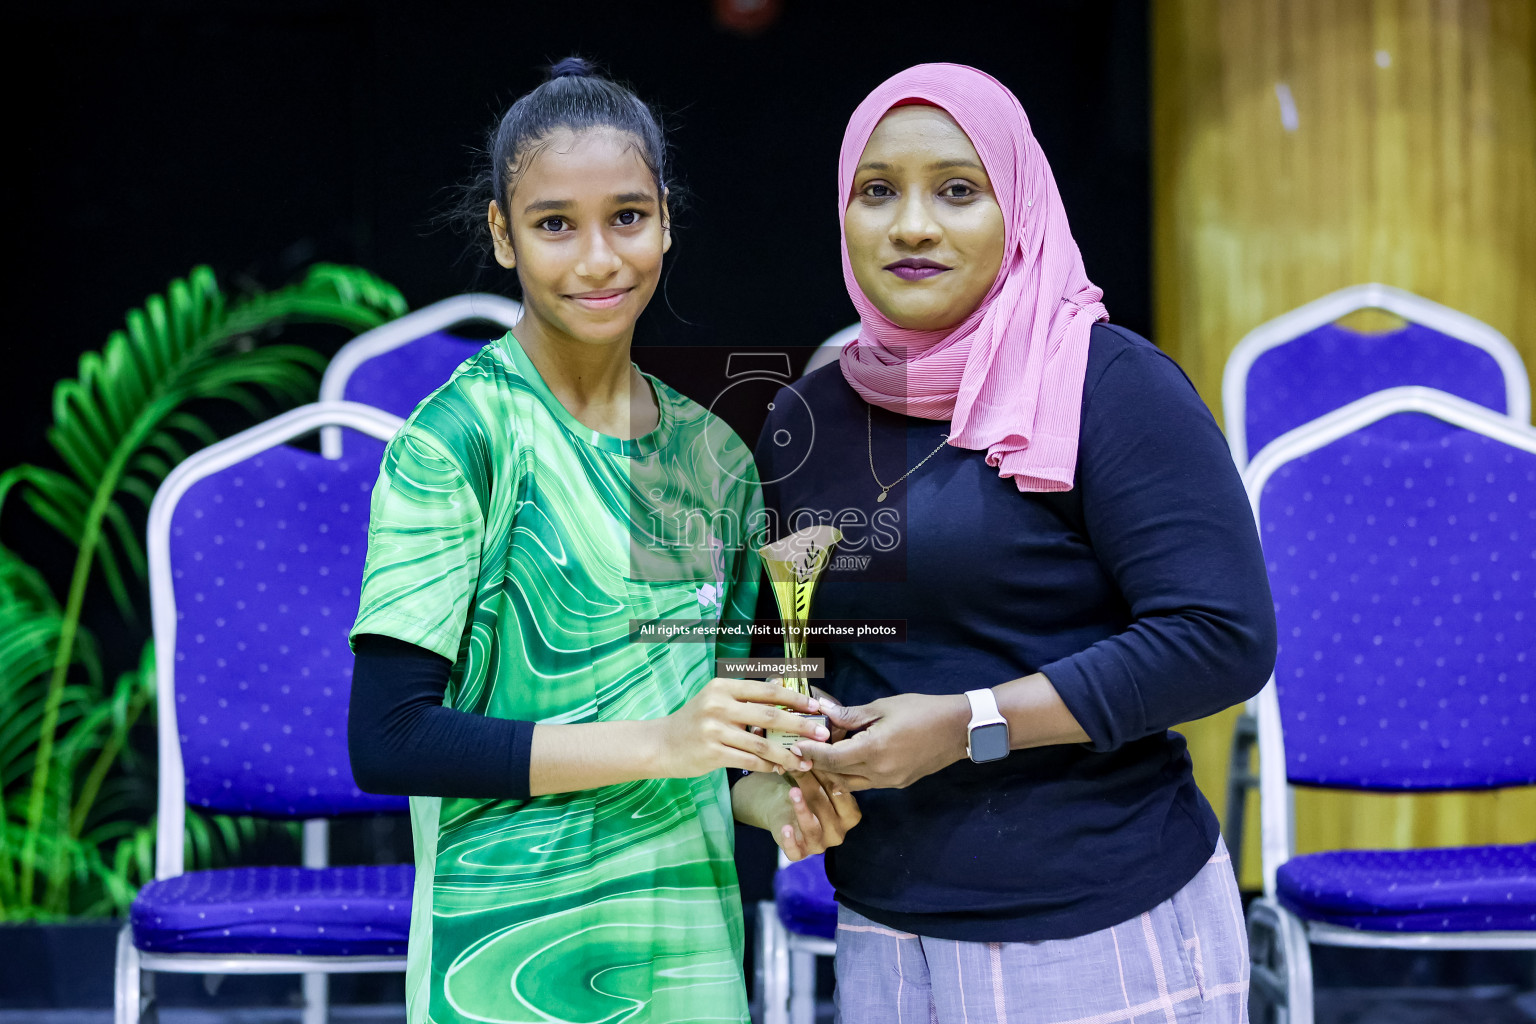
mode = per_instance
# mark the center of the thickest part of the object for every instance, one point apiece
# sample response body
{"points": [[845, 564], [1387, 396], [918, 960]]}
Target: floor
{"points": [[1480, 1005], [1409, 988], [1425, 1006], [173, 1015]]}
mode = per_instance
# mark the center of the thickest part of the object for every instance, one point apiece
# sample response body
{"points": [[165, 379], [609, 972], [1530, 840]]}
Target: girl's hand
{"points": [[893, 741], [806, 814], [714, 729], [824, 810]]}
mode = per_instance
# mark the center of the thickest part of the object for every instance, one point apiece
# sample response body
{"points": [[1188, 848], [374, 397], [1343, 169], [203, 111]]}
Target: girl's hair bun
{"points": [[572, 67], [588, 100]]}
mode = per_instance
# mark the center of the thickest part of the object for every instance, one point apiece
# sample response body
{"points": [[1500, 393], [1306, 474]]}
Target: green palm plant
{"points": [[119, 427]]}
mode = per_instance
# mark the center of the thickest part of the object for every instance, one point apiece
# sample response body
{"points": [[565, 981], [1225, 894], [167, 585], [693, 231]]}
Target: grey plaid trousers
{"points": [[1184, 960]]}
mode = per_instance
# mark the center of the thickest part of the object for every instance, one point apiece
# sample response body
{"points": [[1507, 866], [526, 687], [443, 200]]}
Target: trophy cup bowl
{"points": [[795, 564]]}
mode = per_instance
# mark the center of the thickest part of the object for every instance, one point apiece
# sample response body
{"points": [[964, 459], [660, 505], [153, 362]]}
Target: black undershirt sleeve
{"points": [[403, 741]]}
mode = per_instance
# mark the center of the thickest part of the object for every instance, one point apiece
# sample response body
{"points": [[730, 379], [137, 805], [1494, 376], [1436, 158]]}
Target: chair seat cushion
{"points": [[1460, 889], [340, 911], [804, 898]]}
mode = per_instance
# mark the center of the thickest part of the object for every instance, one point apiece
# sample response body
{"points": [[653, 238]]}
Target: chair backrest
{"points": [[394, 366], [1399, 535], [256, 553], [828, 350], [1299, 366]]}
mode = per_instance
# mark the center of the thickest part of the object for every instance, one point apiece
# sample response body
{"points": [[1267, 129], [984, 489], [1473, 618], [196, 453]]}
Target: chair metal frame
{"points": [[1320, 312], [439, 316], [1272, 928], [131, 979]]}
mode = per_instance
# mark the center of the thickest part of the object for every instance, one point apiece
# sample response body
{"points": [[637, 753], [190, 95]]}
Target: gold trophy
{"points": [[794, 564]]}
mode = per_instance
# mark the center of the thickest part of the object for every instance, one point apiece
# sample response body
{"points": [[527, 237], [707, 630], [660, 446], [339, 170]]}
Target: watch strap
{"points": [[984, 708]]}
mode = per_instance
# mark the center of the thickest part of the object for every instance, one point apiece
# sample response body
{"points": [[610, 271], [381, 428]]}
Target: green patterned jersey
{"points": [[522, 545]]}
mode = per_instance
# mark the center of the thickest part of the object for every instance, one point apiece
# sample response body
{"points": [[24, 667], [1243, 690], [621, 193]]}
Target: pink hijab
{"points": [[1010, 376]]}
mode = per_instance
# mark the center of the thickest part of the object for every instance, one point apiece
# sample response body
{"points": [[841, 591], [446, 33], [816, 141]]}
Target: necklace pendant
{"points": [[882, 495]]}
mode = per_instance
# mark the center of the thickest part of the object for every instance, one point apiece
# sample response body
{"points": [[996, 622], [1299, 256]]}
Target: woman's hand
{"points": [[826, 700], [714, 729], [894, 741], [806, 814]]}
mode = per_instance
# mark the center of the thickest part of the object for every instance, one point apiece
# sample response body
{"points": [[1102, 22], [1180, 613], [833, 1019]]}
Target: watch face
{"points": [[989, 742]]}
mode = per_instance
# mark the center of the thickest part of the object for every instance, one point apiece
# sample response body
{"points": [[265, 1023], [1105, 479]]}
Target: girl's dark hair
{"points": [[575, 97]]}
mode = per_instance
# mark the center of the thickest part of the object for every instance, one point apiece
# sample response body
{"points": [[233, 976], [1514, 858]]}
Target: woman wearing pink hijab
{"points": [[1045, 501]]}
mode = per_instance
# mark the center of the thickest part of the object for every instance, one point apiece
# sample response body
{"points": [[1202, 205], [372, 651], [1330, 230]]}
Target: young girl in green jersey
{"points": [[569, 803]]}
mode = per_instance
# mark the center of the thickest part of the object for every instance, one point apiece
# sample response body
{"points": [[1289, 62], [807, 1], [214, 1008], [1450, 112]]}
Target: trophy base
{"points": [[789, 739]]}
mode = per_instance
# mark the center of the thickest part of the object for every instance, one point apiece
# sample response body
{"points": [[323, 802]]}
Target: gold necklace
{"points": [[869, 430]]}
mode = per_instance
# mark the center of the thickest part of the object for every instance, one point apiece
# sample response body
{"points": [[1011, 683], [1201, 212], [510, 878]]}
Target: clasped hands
{"points": [[724, 726], [889, 743]]}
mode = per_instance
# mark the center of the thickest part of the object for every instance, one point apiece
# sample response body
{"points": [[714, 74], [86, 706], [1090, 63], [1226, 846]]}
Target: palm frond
{"points": [[61, 501], [176, 349], [214, 840], [20, 582], [126, 540], [119, 427], [135, 691]]}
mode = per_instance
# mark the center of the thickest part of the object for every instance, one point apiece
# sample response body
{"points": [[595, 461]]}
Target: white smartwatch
{"points": [[987, 735]]}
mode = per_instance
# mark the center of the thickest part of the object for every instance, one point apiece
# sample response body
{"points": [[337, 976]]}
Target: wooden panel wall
{"points": [[1301, 146]]}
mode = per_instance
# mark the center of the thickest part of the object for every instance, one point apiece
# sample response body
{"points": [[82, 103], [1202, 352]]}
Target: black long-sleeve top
{"points": [[402, 740], [1140, 593]]}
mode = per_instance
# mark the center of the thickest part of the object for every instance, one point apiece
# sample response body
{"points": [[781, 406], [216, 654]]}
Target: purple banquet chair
{"points": [[1400, 538], [394, 366], [256, 553], [1302, 365]]}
